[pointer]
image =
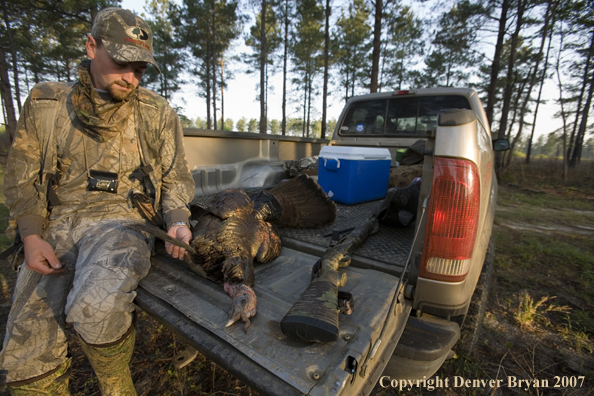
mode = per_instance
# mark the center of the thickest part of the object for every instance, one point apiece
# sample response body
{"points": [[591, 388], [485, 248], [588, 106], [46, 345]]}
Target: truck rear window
{"points": [[403, 116]]}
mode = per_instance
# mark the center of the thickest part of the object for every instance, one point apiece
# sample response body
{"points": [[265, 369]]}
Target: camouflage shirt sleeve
{"points": [[177, 185], [26, 202]]}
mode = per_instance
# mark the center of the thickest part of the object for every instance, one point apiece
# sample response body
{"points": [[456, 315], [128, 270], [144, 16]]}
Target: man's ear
{"points": [[91, 47]]}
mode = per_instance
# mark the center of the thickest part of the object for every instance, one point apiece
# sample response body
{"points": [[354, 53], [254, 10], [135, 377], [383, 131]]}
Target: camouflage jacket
{"points": [[42, 149]]}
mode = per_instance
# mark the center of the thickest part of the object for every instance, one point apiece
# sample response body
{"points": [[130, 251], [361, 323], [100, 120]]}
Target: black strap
{"points": [[316, 269], [52, 197], [335, 238], [11, 250], [142, 172]]}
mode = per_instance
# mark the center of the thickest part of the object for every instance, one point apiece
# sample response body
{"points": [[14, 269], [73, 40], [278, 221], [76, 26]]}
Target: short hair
{"points": [[98, 42]]}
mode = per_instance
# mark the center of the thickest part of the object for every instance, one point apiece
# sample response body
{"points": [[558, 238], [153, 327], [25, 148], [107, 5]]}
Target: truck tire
{"points": [[470, 331]]}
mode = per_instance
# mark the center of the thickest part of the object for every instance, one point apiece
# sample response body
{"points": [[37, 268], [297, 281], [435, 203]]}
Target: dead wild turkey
{"points": [[235, 229]]}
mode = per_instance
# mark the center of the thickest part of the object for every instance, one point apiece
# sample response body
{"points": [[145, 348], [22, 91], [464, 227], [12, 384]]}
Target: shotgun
{"points": [[314, 317]]}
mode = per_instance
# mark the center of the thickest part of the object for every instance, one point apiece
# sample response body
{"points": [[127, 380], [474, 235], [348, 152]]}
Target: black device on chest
{"points": [[103, 181]]}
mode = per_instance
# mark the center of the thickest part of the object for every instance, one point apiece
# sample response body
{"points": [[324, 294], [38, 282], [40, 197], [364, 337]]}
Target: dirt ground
{"points": [[540, 317]]}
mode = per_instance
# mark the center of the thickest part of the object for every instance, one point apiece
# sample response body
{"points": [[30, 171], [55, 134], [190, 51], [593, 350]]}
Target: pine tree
{"points": [[350, 46], [263, 62], [402, 47], [208, 30], [164, 19], [453, 56], [307, 51]]}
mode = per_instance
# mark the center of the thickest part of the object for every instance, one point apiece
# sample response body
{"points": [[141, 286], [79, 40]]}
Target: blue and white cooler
{"points": [[351, 175]]}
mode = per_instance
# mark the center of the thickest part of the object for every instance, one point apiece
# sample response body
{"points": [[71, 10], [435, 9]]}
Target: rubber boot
{"points": [[111, 365], [54, 384]]}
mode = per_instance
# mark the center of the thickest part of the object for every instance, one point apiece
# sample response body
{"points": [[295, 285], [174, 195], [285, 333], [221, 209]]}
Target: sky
{"points": [[240, 97]]}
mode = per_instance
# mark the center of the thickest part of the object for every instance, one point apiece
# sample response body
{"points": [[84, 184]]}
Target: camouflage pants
{"points": [[105, 262]]}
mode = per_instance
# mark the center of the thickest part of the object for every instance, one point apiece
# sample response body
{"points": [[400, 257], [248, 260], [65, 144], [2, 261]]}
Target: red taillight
{"points": [[452, 221], [403, 92]]}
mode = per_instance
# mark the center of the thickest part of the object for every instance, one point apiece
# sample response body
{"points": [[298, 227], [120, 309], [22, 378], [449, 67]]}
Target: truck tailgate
{"points": [[264, 358]]}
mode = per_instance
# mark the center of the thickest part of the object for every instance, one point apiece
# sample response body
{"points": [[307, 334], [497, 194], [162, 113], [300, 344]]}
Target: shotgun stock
{"points": [[314, 317]]}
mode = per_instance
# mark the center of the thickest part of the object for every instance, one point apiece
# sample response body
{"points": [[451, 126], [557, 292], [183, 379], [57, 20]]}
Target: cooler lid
{"points": [[355, 153]]}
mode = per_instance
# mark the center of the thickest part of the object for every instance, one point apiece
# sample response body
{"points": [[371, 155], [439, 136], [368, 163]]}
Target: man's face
{"points": [[119, 79]]}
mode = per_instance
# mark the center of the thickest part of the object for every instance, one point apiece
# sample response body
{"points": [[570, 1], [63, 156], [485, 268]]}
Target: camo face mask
{"points": [[102, 119]]}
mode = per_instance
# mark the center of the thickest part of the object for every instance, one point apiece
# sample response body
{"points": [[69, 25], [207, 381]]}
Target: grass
{"points": [[540, 317], [529, 310], [539, 322]]}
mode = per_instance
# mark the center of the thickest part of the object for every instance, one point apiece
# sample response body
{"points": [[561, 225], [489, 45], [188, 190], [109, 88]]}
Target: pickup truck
{"points": [[419, 291]]}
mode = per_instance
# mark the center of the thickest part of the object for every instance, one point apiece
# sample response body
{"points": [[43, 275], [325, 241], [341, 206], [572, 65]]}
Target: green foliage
{"points": [[49, 37], [453, 51], [578, 340], [253, 125], [4, 242], [529, 310], [275, 127], [351, 46], [200, 123], [241, 125], [208, 29], [273, 38], [307, 52], [4, 140], [185, 121], [228, 125], [164, 20], [403, 46], [330, 128], [198, 36]]}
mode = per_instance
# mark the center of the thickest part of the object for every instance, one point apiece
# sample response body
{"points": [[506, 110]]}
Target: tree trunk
{"points": [[346, 86], [208, 116], [377, 40], [563, 118], [552, 9], [309, 89], [304, 106], [214, 67], [491, 91], [326, 55], [509, 85], [26, 77], [6, 93], [530, 86], [284, 122], [263, 68], [577, 151], [573, 146], [222, 96], [15, 68], [507, 155]]}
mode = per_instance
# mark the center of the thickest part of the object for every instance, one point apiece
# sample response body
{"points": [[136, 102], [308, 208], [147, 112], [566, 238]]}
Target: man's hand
{"points": [[40, 256], [182, 233]]}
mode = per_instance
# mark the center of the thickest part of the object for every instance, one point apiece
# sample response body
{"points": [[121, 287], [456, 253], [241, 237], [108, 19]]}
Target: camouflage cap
{"points": [[126, 37]]}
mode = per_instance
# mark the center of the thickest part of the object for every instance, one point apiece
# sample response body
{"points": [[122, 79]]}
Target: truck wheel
{"points": [[470, 331]]}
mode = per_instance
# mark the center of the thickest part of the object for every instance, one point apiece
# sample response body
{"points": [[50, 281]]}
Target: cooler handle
{"points": [[332, 158]]}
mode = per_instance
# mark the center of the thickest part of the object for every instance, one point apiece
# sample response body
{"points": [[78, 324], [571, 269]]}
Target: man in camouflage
{"points": [[80, 154]]}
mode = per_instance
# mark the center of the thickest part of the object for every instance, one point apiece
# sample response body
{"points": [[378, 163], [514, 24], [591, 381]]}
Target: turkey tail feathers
{"points": [[303, 202]]}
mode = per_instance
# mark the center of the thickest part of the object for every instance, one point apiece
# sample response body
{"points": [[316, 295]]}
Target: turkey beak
{"points": [[234, 319], [237, 310]]}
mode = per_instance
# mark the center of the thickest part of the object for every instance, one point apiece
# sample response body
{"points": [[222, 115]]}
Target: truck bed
{"points": [[386, 250], [172, 293]]}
